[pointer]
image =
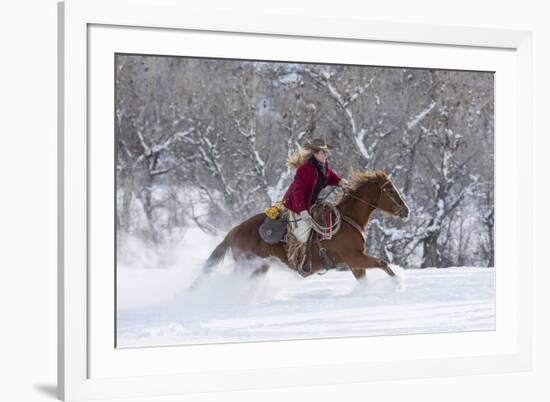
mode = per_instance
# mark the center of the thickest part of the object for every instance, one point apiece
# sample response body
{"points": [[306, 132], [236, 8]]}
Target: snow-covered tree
{"points": [[204, 142]]}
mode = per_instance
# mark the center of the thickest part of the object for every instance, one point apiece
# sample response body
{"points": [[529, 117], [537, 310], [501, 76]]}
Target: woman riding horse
{"points": [[366, 192], [312, 175]]}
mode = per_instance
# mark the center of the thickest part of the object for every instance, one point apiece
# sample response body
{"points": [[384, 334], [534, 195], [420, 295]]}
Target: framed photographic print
{"points": [[242, 199]]}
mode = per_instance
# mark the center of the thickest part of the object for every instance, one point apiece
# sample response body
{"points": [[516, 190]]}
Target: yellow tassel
{"points": [[273, 211]]}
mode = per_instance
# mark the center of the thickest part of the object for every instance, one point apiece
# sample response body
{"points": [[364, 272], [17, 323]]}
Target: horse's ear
{"points": [[385, 176]]}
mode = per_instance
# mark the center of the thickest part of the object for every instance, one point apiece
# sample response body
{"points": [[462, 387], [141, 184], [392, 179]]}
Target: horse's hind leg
{"points": [[262, 270]]}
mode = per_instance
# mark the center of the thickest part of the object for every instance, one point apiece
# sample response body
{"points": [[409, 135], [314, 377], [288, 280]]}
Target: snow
{"points": [[155, 306], [259, 160], [277, 191], [184, 134], [289, 78], [359, 140], [414, 121], [393, 233]]}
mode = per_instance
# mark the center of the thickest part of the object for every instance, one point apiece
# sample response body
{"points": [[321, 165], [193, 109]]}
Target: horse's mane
{"points": [[359, 178]]}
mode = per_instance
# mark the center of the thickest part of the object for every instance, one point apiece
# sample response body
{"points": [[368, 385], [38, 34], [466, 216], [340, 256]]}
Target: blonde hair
{"points": [[298, 158]]}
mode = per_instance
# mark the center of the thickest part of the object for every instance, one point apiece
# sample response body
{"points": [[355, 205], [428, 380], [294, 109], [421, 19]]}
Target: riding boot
{"points": [[307, 247], [304, 267]]}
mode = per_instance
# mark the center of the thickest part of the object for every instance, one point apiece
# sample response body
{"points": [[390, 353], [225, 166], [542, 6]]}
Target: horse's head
{"points": [[377, 190], [391, 201]]}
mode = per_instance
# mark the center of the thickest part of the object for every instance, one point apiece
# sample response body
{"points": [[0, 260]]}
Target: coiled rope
{"points": [[327, 231]]}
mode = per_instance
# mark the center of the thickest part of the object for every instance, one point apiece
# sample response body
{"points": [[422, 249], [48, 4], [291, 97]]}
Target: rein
{"points": [[361, 200]]}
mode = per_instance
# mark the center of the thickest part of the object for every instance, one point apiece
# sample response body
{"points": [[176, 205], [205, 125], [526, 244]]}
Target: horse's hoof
{"points": [[303, 273]]}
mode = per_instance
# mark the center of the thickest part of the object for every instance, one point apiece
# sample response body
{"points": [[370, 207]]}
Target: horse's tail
{"points": [[219, 252], [214, 259]]}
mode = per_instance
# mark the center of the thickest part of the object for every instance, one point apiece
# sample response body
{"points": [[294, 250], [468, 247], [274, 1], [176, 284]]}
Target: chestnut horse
{"points": [[367, 192]]}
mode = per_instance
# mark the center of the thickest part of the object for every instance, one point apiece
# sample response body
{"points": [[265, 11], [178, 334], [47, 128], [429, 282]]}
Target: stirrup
{"points": [[326, 262]]}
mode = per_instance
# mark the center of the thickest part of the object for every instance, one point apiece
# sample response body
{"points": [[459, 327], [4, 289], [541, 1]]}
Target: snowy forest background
{"points": [[203, 143]]}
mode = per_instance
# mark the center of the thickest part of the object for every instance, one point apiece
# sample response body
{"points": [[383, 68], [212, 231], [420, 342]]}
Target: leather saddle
{"points": [[273, 231]]}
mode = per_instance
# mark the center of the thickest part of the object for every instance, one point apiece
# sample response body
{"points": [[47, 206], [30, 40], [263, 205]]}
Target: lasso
{"points": [[327, 231]]}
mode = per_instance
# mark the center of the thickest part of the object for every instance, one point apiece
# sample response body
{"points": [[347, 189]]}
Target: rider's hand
{"points": [[344, 186], [306, 217]]}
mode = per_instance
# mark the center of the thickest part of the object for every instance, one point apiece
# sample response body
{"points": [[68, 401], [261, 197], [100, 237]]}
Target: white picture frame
{"points": [[89, 365]]}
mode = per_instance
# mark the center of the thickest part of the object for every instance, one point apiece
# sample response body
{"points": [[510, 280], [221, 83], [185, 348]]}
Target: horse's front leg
{"points": [[360, 262]]}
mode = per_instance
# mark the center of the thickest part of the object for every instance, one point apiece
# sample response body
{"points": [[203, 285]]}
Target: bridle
{"points": [[382, 191], [392, 199]]}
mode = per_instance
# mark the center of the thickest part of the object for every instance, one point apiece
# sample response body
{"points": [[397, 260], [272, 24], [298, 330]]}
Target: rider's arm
{"points": [[302, 183], [333, 179]]}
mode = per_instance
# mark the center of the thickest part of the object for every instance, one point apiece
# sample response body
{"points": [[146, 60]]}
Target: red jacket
{"points": [[298, 196]]}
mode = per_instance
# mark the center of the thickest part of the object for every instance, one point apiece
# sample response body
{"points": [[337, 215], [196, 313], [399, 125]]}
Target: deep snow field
{"points": [[155, 306]]}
